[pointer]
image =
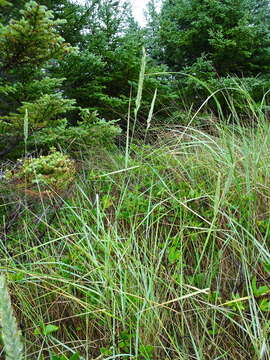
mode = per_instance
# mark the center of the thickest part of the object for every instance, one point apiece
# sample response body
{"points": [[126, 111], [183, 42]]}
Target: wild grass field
{"points": [[157, 251], [134, 214]]}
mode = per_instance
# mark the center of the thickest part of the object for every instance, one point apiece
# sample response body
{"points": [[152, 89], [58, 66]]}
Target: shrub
{"points": [[54, 171], [90, 132]]}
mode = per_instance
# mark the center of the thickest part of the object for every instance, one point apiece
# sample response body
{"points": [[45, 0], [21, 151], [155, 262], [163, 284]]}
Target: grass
{"points": [[158, 251], [166, 259]]}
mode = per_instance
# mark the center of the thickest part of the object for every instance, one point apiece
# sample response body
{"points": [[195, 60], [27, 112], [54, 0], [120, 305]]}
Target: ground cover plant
{"points": [[149, 241]]}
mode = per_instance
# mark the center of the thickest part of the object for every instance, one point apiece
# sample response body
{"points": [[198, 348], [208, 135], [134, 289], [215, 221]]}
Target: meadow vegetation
{"points": [[134, 190]]}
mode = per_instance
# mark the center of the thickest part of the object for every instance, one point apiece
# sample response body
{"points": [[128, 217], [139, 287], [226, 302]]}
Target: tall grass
{"points": [[166, 258]]}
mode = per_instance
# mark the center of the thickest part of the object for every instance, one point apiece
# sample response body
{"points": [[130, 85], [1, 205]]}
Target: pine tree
{"points": [[26, 47], [99, 76], [234, 34], [152, 30], [75, 16]]}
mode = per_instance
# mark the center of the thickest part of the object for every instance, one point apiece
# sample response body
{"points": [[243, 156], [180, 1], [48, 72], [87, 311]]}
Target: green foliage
{"points": [[264, 304], [4, 3], [226, 95], [151, 254], [42, 113], [32, 40], [103, 74], [237, 304], [74, 17], [152, 30], [259, 291], [75, 356], [156, 253], [28, 86], [54, 171], [88, 134], [109, 57], [125, 345], [46, 330], [233, 34], [214, 44], [27, 45]]}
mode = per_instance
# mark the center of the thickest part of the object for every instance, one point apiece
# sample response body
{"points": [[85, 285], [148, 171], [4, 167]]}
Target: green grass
{"points": [[166, 259]]}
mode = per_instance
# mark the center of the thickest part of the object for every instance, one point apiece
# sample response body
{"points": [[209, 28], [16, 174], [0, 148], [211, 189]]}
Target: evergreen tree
{"points": [[234, 34], [26, 46], [30, 47], [152, 30], [100, 75], [75, 18], [75, 15]]}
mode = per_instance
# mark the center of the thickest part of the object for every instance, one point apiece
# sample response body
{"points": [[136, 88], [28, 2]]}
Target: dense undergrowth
{"points": [[149, 242], [159, 253]]}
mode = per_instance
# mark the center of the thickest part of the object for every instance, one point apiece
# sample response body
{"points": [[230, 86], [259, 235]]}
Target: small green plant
{"points": [[267, 267], [146, 352], [236, 304], [126, 346], [259, 291], [10, 334], [75, 356], [264, 304], [56, 171], [46, 330], [174, 251]]}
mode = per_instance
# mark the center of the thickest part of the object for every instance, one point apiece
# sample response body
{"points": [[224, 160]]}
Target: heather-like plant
{"points": [[55, 171]]}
